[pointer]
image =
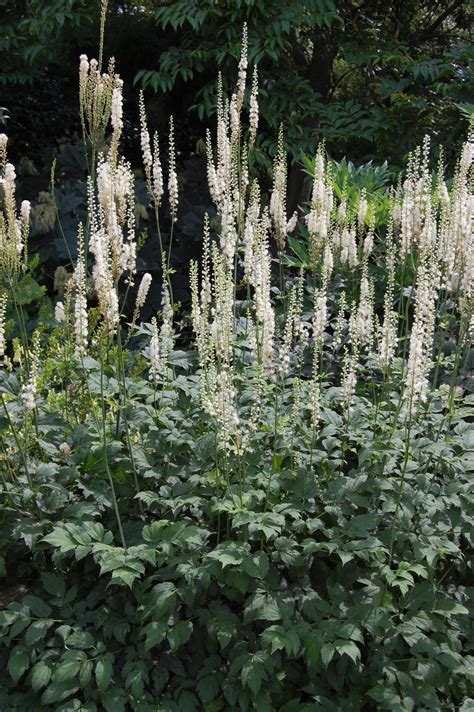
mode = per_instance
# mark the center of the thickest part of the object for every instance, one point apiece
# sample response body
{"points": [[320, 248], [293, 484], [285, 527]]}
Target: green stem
{"points": [[125, 393], [18, 444], [400, 489], [106, 458]]}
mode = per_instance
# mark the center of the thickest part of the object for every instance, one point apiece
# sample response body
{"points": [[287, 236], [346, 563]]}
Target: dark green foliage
{"points": [[278, 596], [36, 33], [372, 76]]}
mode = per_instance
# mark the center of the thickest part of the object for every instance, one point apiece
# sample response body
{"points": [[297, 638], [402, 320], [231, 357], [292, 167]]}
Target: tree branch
{"points": [[440, 19]]}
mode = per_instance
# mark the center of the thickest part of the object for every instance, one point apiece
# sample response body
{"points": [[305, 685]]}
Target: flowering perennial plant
{"points": [[264, 504]]}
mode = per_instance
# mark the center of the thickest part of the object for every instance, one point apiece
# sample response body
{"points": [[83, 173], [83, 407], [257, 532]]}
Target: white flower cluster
{"points": [[100, 97], [14, 228], [3, 309], [223, 180], [253, 110], [151, 159], [219, 400], [456, 235], [320, 316], [213, 319], [388, 333], [161, 342], [201, 302], [416, 227], [293, 334], [81, 321], [261, 282], [362, 212], [344, 240], [59, 312], [30, 388], [281, 225], [349, 378], [143, 290], [112, 234], [421, 339], [361, 324], [318, 219], [238, 97], [172, 175], [3, 148]]}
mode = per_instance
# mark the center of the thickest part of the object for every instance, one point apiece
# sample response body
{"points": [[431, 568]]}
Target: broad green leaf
{"points": [[229, 554], [37, 606], [386, 696], [66, 671], [327, 653], [113, 700], [103, 672], [18, 662], [85, 672], [179, 634], [254, 673], [312, 646], [62, 539], [155, 632], [40, 675], [37, 630], [164, 599], [256, 565], [29, 290], [57, 692], [208, 687], [347, 647], [81, 640], [53, 583], [188, 702]]}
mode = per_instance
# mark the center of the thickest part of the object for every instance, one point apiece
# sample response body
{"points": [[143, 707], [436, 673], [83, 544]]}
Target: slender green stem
{"points": [[58, 219], [22, 453], [165, 258], [276, 415], [125, 394], [406, 460], [106, 457]]}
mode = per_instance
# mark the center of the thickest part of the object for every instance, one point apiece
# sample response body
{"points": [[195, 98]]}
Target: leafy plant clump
{"points": [[274, 513]]}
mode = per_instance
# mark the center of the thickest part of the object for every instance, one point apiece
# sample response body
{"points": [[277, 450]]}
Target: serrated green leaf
{"points": [[386, 696], [155, 632], [58, 692], [40, 675], [229, 554], [104, 671], [347, 647], [85, 673], [37, 606], [312, 645], [208, 688], [327, 653], [113, 700], [254, 673], [65, 671], [18, 662], [179, 634], [36, 631], [256, 565]]}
